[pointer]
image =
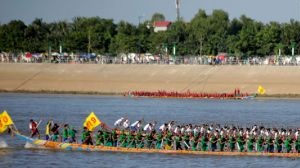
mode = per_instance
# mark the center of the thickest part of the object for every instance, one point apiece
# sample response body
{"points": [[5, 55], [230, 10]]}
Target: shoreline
{"points": [[259, 97], [117, 79]]}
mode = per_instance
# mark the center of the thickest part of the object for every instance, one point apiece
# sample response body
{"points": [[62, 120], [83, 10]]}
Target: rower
{"points": [[86, 137], [159, 140], [250, 142], [231, 142], [204, 141], [114, 137], [148, 127], [55, 132], [72, 135], [177, 140], [119, 122], [163, 127], [240, 141], [288, 143], [136, 125], [107, 138], [139, 140], [99, 138], [122, 139], [33, 126], [126, 124], [65, 134], [48, 129], [171, 126], [214, 140], [83, 135], [131, 140]]}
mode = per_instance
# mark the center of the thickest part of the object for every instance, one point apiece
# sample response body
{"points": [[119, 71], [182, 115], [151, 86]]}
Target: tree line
{"points": [[204, 35]]}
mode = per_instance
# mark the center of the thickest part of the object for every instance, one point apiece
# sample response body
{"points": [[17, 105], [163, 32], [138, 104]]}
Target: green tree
{"points": [[247, 44], [126, 40], [58, 34], [267, 39], [12, 36], [177, 35], [157, 17], [36, 36], [198, 31]]}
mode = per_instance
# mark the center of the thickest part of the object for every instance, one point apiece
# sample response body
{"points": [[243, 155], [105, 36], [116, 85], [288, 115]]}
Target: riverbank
{"points": [[279, 81]]}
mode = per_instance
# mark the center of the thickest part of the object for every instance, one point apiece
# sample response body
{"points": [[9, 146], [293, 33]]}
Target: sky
{"points": [[134, 10]]}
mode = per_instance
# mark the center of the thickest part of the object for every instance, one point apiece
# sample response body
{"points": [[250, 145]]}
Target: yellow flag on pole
{"points": [[5, 121], [91, 121], [261, 90], [2, 126]]}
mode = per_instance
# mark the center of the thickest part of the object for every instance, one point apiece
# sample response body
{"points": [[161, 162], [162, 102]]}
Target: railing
{"points": [[186, 60]]}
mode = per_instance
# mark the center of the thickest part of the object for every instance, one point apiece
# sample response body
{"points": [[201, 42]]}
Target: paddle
{"points": [[186, 144], [39, 123]]}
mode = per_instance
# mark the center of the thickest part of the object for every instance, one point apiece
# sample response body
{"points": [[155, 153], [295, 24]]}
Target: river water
{"points": [[73, 109]]}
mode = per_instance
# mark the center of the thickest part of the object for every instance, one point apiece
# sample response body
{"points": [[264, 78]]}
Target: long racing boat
{"points": [[38, 143]]}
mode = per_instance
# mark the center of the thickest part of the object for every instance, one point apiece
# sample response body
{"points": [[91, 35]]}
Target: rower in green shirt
{"points": [[65, 133], [139, 140], [297, 145], [114, 137], [260, 144], [278, 142], [159, 138], [99, 138], [131, 140], [240, 143], [222, 141], [250, 143], [177, 139], [204, 141], [186, 140], [122, 139], [193, 143], [288, 144], [148, 140], [107, 138], [168, 140], [84, 134], [213, 142], [72, 135], [231, 142]]}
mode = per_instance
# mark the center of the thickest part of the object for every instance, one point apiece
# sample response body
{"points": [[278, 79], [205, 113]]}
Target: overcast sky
{"points": [[130, 10]]}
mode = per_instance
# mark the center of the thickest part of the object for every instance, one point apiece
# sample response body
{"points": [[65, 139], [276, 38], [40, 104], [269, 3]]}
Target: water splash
{"points": [[3, 144], [29, 145]]}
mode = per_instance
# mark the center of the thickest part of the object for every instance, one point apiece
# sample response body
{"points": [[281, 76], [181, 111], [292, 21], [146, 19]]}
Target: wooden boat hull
{"points": [[79, 147]]}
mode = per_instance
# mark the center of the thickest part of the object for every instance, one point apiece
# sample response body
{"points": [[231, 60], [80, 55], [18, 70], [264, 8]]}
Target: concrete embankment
{"points": [[116, 79]]}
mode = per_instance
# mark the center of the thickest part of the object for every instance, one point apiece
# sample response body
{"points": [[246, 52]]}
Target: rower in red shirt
{"points": [[33, 126]]}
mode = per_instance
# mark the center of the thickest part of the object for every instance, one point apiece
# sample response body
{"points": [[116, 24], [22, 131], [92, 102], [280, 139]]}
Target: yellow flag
{"points": [[5, 118], [91, 121], [261, 90], [2, 126]]}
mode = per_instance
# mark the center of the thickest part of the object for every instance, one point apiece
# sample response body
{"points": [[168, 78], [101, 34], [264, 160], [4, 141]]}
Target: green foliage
{"points": [[157, 17], [203, 35]]}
